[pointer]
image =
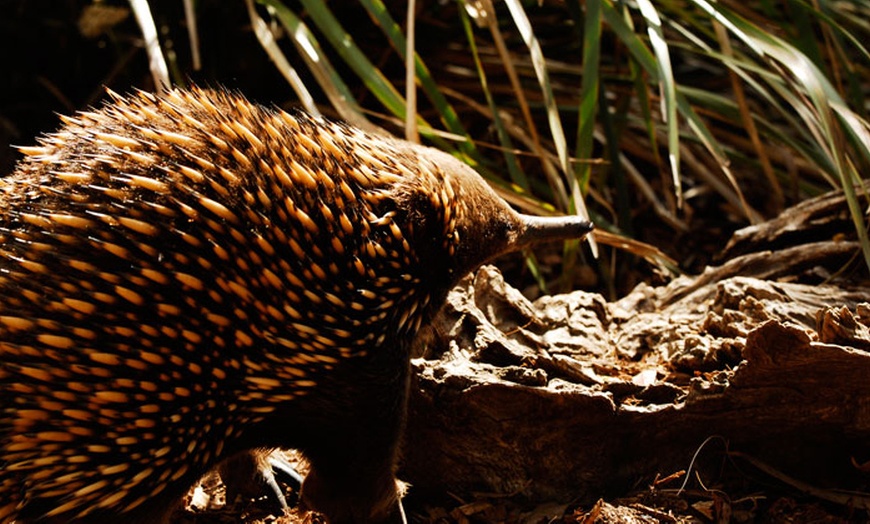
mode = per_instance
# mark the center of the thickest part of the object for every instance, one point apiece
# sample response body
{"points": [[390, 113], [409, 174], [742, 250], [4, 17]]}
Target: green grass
{"points": [[634, 108]]}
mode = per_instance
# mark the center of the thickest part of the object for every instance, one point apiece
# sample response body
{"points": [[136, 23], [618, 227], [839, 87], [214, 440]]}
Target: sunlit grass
{"points": [[621, 105]]}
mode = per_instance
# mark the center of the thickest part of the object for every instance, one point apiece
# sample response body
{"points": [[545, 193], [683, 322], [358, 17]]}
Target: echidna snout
{"points": [[188, 277]]}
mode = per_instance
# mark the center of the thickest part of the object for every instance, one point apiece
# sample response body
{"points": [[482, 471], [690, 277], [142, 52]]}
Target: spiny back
{"points": [[181, 276]]}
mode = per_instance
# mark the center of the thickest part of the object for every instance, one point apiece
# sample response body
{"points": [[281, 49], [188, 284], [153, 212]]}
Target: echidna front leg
{"points": [[368, 497], [352, 475]]}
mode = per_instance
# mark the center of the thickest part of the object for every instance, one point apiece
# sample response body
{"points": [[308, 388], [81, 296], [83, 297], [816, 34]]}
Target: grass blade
{"points": [[343, 43], [378, 11], [411, 132], [668, 89], [525, 28], [156, 60], [515, 171], [778, 200], [589, 87], [327, 77]]}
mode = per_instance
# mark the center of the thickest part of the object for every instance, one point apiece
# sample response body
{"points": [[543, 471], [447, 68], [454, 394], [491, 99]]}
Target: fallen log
{"points": [[571, 397]]}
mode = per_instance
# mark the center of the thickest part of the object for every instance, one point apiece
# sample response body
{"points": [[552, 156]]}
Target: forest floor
{"points": [[734, 393]]}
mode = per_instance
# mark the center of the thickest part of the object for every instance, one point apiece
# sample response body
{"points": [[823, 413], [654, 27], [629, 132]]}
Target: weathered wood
{"points": [[573, 398], [822, 219]]}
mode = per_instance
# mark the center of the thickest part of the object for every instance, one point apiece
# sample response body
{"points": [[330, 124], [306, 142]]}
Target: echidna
{"points": [[187, 277]]}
